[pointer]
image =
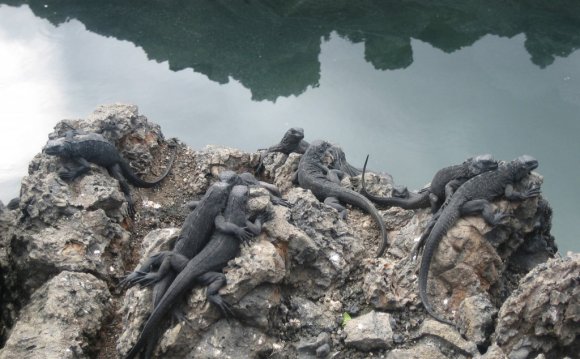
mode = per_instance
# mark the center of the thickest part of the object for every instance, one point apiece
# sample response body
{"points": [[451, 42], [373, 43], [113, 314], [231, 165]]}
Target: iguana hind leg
{"points": [[151, 264], [335, 203], [485, 209], [214, 281], [116, 172]]}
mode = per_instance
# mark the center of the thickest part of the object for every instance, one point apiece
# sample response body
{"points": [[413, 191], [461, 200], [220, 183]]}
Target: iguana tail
{"points": [[138, 182], [414, 201], [446, 220], [356, 199]]}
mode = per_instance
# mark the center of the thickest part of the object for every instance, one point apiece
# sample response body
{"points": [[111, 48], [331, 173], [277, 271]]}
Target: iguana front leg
{"points": [[256, 227], [513, 195], [485, 209], [116, 172], [243, 233], [451, 187], [81, 166]]}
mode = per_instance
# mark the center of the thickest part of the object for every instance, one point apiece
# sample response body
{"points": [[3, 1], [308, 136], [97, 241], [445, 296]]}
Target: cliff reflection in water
{"points": [[272, 47]]}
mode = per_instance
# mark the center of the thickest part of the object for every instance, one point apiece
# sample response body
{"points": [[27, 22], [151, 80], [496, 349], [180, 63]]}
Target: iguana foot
{"points": [[178, 316], [130, 207], [244, 234], [132, 279], [223, 306], [531, 192], [498, 217], [265, 216], [67, 175], [148, 280], [281, 202]]}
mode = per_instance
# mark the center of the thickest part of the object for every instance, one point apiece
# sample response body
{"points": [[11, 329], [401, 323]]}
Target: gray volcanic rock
{"points": [[81, 225], [473, 258], [250, 276], [475, 318], [370, 331], [291, 289], [80, 243], [543, 314], [62, 318], [230, 340]]}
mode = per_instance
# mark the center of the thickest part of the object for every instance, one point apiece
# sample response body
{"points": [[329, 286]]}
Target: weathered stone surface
{"points": [[8, 312], [312, 317], [369, 332], [331, 250], [82, 242], [390, 285], [543, 314], [319, 347], [257, 264], [494, 352], [281, 168], [473, 258], [290, 288], [419, 351], [259, 307], [448, 335], [229, 340], [61, 320], [475, 318]]}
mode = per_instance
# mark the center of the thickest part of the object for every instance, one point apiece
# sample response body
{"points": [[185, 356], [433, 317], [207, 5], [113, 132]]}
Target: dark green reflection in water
{"points": [[272, 47], [437, 111]]}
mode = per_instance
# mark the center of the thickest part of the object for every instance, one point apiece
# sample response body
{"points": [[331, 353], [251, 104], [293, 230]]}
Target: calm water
{"points": [[418, 85]]}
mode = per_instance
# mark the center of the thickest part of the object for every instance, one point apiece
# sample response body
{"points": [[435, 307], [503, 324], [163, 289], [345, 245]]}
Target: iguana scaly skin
{"points": [[196, 231], [293, 142], [204, 268], [313, 175], [474, 197], [443, 184], [93, 147]]}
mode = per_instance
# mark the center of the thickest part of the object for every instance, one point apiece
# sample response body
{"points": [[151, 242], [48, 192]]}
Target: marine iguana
{"points": [[470, 199], [195, 234], [313, 175], [196, 231], [93, 147], [443, 184], [203, 268], [292, 141]]}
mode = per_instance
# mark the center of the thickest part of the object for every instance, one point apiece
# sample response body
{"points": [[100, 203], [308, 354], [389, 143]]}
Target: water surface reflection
{"points": [[241, 80]]}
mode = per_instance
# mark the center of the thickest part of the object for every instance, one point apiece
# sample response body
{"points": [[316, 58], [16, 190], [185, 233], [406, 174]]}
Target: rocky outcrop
{"points": [[542, 316], [294, 288], [61, 320]]}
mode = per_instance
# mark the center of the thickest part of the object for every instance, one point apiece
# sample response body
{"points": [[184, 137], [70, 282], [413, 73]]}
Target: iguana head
{"points": [[338, 156], [239, 196], [293, 135], [318, 149], [481, 163], [218, 192], [57, 147], [229, 177], [523, 165]]}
